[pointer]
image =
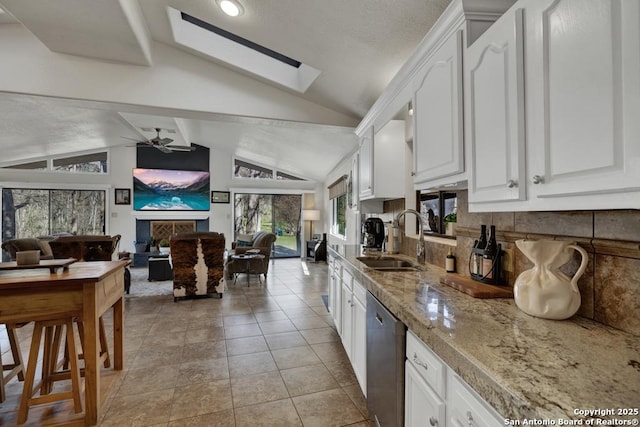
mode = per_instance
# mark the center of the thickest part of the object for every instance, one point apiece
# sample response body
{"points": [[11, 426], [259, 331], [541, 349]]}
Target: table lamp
{"points": [[310, 215]]}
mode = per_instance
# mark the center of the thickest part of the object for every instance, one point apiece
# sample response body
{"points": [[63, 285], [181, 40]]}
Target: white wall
{"points": [[121, 219]]}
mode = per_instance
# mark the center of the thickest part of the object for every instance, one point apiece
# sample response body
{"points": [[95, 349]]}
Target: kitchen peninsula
{"points": [[526, 368]]}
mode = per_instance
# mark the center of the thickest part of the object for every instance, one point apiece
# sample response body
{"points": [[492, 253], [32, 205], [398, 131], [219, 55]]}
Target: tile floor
{"points": [[264, 355]]}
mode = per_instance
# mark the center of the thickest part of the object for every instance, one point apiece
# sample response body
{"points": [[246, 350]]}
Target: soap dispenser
{"points": [[393, 238]]}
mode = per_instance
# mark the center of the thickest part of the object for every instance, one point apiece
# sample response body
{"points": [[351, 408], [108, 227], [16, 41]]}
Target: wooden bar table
{"points": [[85, 290]]}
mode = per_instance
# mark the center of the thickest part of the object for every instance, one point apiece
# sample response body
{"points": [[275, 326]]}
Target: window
{"points": [[84, 163], [244, 169], [40, 212], [338, 196], [439, 212]]}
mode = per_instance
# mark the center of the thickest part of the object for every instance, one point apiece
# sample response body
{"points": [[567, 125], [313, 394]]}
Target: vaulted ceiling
{"points": [[81, 75]]}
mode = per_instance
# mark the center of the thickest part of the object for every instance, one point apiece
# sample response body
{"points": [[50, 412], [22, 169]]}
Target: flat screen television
{"points": [[170, 190]]}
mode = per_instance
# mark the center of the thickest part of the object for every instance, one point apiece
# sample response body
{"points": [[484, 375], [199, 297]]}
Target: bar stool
{"points": [[15, 368], [53, 330], [104, 349]]}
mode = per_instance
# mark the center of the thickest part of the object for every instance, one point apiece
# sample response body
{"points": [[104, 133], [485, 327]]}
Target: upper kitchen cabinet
{"points": [[381, 162], [581, 108], [494, 112], [438, 145], [583, 103]]}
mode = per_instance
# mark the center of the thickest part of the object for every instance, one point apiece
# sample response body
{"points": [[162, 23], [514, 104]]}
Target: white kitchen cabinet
{"points": [[354, 326], [494, 102], [582, 103], [335, 292], [583, 98], [365, 166], [466, 408], [438, 143], [436, 396], [381, 162], [359, 350]]}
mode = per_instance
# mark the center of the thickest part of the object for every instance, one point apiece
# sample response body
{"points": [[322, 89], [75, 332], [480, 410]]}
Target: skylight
{"points": [[231, 49]]}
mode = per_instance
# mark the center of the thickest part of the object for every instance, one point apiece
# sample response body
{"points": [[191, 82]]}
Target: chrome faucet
{"points": [[420, 250]]}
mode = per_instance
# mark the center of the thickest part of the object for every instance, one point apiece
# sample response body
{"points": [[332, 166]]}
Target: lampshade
{"points": [[310, 215]]}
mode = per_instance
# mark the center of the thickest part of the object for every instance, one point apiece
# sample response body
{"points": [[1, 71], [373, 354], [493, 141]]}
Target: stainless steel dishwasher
{"points": [[386, 336]]}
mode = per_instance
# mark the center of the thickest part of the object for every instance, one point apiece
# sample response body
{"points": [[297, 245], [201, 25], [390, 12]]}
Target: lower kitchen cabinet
{"points": [[354, 330], [335, 292], [436, 396]]}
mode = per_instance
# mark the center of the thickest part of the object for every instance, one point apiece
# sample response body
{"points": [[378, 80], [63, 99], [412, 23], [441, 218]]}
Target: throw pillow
{"points": [[244, 240]]}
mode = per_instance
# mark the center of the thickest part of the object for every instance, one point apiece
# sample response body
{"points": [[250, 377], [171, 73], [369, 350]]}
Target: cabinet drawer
{"points": [[360, 293], [430, 367], [466, 407]]}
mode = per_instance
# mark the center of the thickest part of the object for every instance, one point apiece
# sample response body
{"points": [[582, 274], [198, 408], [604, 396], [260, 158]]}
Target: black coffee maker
{"points": [[373, 233]]}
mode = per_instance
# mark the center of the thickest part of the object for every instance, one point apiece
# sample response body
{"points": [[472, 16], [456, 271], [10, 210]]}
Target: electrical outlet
{"points": [[507, 260]]}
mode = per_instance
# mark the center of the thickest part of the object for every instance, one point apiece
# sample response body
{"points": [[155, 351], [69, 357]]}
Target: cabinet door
{"points": [[438, 138], [365, 167], [359, 359], [466, 408], [422, 407], [336, 291], [494, 99], [583, 97], [347, 321]]}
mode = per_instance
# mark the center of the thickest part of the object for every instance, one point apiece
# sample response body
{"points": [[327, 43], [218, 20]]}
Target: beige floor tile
{"points": [[204, 350], [246, 345], [258, 388], [308, 379], [330, 351], [201, 398], [285, 340], [277, 326], [309, 322], [280, 413], [321, 335], [199, 371], [214, 333], [294, 357], [239, 331], [355, 394], [270, 316], [146, 379], [239, 319], [248, 364], [216, 419], [163, 339], [157, 356], [342, 372], [326, 409], [140, 409]]}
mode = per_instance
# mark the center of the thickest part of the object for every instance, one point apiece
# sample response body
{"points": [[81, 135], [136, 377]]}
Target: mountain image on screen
{"points": [[170, 190]]}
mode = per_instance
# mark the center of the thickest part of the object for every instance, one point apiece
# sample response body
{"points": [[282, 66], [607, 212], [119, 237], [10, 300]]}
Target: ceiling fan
{"points": [[162, 144]]}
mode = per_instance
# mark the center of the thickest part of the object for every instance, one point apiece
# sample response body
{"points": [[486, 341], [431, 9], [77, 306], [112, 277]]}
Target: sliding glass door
{"points": [[275, 213]]}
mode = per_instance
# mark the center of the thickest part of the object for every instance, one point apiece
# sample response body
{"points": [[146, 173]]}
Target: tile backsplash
{"points": [[609, 288]]}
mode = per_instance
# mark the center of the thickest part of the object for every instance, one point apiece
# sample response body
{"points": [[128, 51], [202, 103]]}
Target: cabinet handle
{"points": [[537, 179], [470, 419], [511, 183], [413, 174], [419, 362], [433, 421]]}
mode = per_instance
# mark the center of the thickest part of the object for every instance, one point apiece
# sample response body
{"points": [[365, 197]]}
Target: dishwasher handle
{"points": [[378, 318]]}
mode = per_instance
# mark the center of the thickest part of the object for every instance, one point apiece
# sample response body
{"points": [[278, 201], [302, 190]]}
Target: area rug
{"points": [[141, 286]]}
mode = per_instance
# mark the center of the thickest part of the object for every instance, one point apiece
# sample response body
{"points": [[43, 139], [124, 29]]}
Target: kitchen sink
{"points": [[388, 264]]}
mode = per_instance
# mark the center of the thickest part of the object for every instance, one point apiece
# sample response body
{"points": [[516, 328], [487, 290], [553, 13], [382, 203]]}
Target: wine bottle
{"points": [[490, 254], [481, 243], [450, 262]]}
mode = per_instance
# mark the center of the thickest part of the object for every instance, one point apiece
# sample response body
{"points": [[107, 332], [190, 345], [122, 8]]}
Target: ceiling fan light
{"points": [[231, 7]]}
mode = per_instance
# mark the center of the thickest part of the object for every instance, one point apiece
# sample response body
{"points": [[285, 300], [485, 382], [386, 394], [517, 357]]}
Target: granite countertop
{"points": [[523, 366]]}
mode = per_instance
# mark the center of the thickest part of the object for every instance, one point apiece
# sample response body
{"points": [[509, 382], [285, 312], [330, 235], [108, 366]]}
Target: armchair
{"points": [[198, 264], [261, 241]]}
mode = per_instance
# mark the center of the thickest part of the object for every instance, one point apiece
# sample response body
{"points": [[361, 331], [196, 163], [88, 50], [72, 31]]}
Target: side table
{"points": [[246, 258], [160, 268]]}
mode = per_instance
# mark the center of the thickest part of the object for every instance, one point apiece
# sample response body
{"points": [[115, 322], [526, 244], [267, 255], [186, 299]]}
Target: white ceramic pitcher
{"points": [[544, 291]]}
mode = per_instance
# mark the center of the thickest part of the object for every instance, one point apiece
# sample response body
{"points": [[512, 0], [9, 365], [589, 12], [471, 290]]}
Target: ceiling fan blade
{"points": [[162, 148], [164, 141], [180, 147]]}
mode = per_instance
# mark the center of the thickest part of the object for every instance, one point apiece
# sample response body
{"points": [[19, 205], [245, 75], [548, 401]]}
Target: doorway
{"points": [[274, 213]]}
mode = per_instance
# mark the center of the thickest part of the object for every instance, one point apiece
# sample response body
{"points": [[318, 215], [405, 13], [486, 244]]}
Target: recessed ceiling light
{"points": [[231, 7]]}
